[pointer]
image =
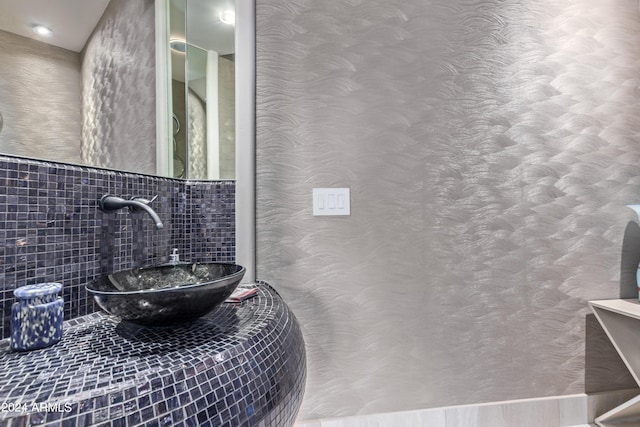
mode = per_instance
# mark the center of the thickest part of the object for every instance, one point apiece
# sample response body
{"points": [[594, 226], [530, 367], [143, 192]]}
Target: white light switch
{"points": [[331, 201]]}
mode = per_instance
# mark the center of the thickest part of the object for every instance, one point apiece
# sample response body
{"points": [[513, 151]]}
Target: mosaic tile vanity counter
{"points": [[242, 365]]}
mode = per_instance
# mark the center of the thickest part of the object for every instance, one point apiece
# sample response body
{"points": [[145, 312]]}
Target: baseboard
{"points": [[555, 411]]}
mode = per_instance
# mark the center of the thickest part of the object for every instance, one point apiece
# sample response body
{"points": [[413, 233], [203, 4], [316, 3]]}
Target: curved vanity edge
{"points": [[242, 365], [263, 283]]}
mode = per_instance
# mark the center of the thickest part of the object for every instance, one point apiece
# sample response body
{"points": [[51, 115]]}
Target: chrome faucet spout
{"points": [[135, 205], [109, 203]]}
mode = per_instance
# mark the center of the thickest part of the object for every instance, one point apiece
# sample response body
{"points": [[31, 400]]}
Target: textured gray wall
{"points": [[197, 135], [489, 146], [118, 89], [39, 99]]}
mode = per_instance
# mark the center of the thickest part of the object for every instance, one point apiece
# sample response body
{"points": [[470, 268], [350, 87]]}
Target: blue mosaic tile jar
{"points": [[36, 316]]}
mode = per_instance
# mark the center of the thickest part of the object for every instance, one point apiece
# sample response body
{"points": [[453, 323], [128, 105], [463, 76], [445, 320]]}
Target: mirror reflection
{"points": [[202, 89], [86, 93]]}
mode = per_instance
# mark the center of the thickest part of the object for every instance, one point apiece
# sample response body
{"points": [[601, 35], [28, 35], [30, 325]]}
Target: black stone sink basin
{"points": [[167, 294]]}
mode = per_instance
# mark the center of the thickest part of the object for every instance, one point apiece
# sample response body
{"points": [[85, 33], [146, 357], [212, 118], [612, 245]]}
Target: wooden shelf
{"points": [[620, 319]]}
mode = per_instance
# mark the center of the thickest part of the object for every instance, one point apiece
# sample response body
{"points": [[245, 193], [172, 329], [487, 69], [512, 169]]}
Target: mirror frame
{"points": [[245, 57], [163, 124], [245, 110]]}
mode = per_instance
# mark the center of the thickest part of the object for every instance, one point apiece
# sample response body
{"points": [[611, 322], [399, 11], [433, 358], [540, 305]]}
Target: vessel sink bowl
{"points": [[166, 294]]}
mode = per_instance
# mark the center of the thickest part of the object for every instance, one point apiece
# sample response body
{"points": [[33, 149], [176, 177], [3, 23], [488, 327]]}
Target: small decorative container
{"points": [[36, 316]]}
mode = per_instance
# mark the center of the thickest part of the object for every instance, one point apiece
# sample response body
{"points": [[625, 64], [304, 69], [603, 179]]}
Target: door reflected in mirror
{"points": [[202, 89]]}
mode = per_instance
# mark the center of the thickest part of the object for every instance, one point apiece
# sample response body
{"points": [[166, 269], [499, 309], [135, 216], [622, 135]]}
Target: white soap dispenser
{"points": [[174, 258]]}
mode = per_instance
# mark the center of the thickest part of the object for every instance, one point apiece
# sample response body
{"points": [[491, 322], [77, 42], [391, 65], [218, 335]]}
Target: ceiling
{"points": [[73, 21], [204, 28]]}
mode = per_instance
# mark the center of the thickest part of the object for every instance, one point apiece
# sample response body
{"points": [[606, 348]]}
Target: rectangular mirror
{"points": [[87, 93]]}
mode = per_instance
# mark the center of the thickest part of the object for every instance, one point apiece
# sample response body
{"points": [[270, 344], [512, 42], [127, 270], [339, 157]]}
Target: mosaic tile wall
{"points": [[52, 230]]}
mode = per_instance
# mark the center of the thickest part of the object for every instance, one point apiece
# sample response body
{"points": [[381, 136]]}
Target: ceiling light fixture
{"points": [[228, 17], [41, 30], [178, 45]]}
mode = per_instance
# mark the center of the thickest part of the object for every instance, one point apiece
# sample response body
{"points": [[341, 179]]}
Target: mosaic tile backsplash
{"points": [[52, 230]]}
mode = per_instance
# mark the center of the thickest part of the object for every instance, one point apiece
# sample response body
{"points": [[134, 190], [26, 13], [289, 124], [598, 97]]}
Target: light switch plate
{"points": [[331, 201]]}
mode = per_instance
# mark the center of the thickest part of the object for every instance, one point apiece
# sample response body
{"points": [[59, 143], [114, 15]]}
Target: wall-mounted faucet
{"points": [[109, 203]]}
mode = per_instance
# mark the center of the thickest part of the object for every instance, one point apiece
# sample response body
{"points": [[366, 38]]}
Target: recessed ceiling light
{"points": [[178, 45], [228, 17], [41, 30]]}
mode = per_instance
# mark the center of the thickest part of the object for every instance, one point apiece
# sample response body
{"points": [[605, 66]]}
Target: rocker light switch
{"points": [[331, 201]]}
